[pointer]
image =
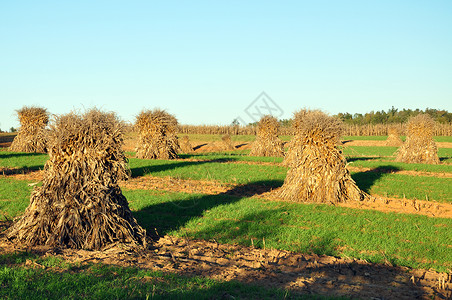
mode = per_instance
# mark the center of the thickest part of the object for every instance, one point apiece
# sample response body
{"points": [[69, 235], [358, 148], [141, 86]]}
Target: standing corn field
{"points": [[32, 133], [267, 142], [318, 170], [157, 135], [419, 146], [80, 204]]}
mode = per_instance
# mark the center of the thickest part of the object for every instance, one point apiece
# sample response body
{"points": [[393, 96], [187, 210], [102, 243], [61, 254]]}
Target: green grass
{"points": [[408, 240], [383, 151], [24, 161], [207, 170], [390, 165], [14, 197], [61, 280], [399, 186]]}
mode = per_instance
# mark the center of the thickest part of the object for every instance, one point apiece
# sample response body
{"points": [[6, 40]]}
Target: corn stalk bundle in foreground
{"points": [[185, 144], [267, 142], [419, 146], [318, 172], [80, 204], [295, 145], [157, 135], [31, 136], [393, 137]]}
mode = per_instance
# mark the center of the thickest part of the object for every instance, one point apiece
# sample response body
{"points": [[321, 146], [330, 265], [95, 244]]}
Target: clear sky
{"points": [[206, 61]]}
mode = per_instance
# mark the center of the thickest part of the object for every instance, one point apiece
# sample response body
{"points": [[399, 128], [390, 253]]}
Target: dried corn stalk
{"points": [[419, 146], [80, 204], [185, 144], [157, 135], [226, 143], [267, 142], [32, 134], [393, 139], [318, 170]]}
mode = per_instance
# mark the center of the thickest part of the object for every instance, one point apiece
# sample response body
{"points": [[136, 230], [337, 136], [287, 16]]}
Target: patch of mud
{"points": [[300, 273]]}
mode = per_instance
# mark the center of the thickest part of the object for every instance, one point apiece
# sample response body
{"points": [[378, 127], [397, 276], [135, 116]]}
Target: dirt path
{"points": [[300, 273]]}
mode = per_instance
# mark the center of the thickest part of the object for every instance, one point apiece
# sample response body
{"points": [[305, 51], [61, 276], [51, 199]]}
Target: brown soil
{"points": [[300, 273]]}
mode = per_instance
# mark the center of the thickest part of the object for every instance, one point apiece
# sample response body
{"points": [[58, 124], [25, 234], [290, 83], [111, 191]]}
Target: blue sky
{"points": [[206, 61]]}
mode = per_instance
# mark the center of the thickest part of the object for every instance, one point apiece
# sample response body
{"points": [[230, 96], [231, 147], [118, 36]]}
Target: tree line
{"points": [[393, 115]]}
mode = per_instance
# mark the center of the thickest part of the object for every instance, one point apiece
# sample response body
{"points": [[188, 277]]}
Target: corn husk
{"points": [[267, 142], [80, 204], [317, 169], [157, 135], [419, 146], [32, 134]]}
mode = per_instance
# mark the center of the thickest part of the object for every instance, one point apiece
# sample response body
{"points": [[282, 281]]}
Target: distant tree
{"points": [[12, 129], [235, 122]]}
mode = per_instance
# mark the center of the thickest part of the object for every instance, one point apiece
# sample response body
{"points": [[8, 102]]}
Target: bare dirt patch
{"points": [[300, 273]]}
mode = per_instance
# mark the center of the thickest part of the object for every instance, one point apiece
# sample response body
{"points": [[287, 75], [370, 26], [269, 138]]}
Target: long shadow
{"points": [[350, 159], [365, 180], [168, 216], [199, 146]]}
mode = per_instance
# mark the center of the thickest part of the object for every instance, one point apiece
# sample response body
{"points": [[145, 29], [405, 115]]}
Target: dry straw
{"points": [[32, 133], [267, 142], [295, 145], [419, 146], [393, 139], [157, 135], [185, 144], [226, 143], [318, 170], [80, 204]]}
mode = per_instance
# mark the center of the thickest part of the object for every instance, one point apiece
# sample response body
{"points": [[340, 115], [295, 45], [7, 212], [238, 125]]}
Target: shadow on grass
{"points": [[365, 180], [350, 159], [172, 215]]}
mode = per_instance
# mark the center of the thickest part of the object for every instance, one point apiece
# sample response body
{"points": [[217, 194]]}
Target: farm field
{"points": [[218, 220]]}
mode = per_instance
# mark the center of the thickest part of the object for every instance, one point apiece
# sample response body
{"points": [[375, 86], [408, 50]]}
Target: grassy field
{"points": [[413, 241]]}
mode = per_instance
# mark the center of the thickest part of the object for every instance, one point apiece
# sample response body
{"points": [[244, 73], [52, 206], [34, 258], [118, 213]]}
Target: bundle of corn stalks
{"points": [[419, 146], [226, 143], [157, 135], [318, 171], [393, 139], [80, 204], [32, 133], [295, 145], [185, 144], [267, 142]]}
